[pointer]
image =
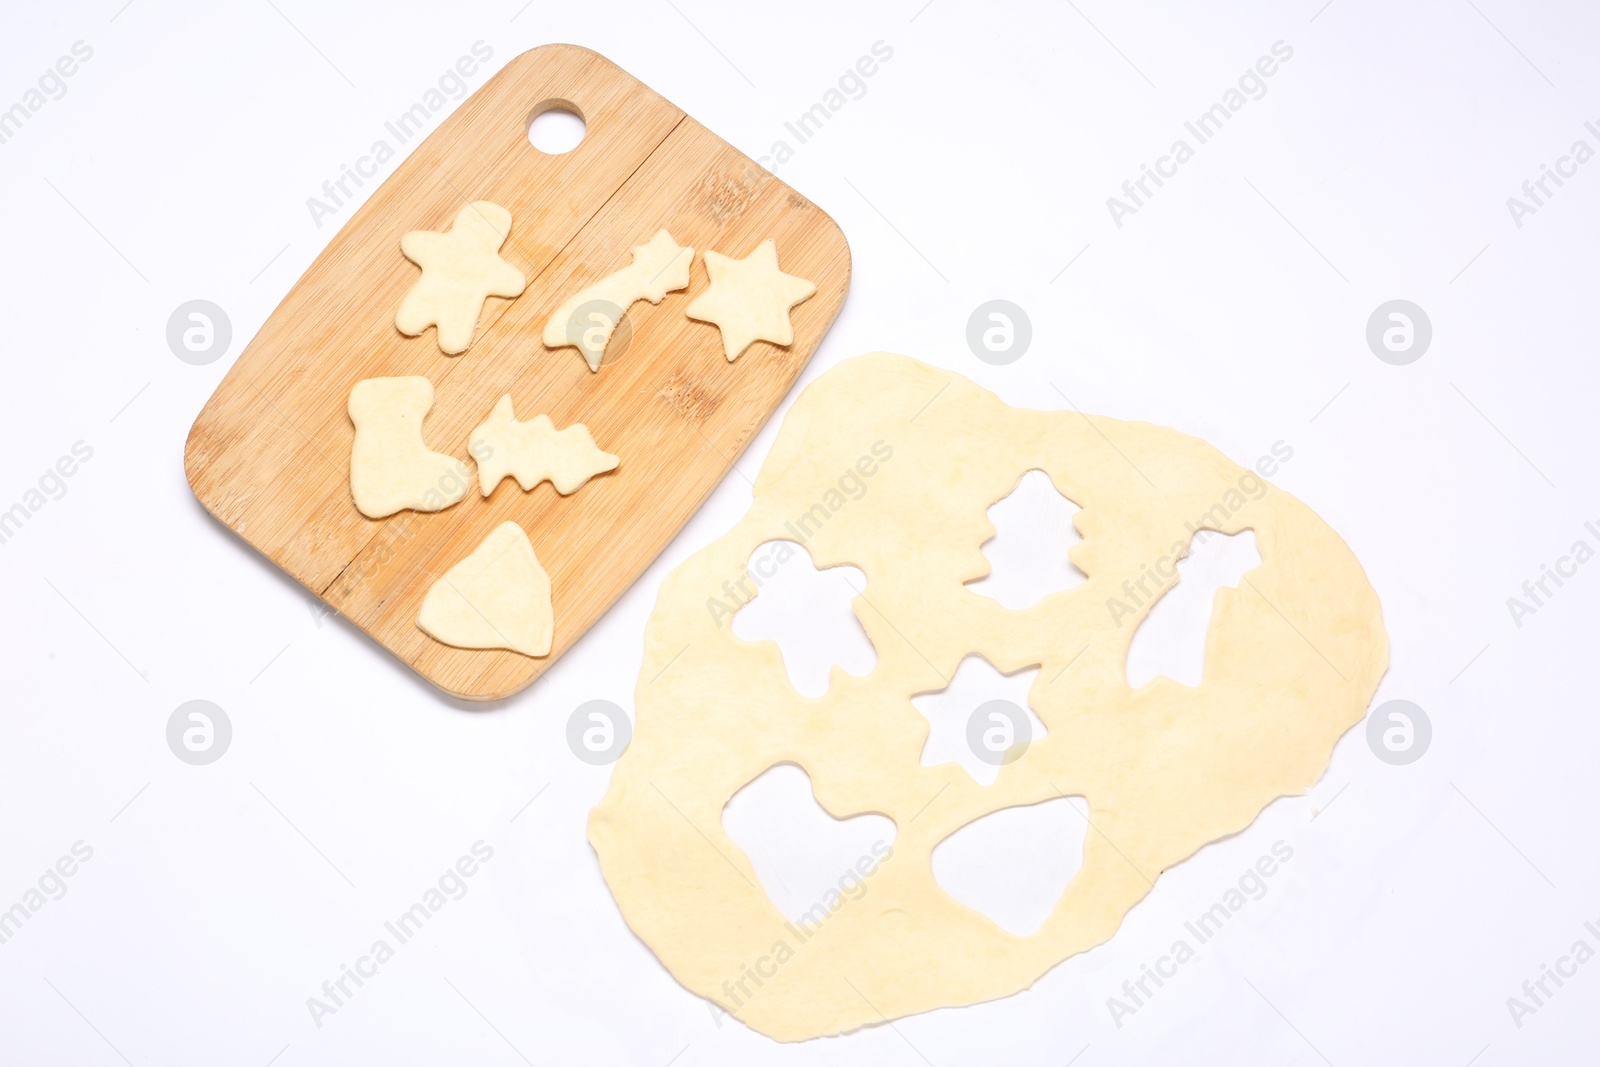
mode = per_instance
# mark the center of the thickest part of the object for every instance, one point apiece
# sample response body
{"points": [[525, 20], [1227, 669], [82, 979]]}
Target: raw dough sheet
{"points": [[1293, 656]]}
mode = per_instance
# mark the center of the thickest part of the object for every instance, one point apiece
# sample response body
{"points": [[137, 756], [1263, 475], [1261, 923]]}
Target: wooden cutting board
{"points": [[270, 453]]}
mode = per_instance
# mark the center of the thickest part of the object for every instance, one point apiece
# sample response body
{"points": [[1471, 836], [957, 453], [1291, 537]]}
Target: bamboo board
{"points": [[269, 454]]}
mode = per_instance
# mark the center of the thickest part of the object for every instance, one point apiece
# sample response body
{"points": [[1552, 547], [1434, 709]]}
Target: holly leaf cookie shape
{"points": [[461, 268], [749, 299]]}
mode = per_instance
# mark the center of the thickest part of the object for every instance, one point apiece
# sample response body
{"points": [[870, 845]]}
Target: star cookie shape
{"points": [[749, 299], [460, 269]]}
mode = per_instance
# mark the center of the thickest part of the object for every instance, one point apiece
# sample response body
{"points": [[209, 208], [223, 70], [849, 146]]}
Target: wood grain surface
{"points": [[269, 454]]}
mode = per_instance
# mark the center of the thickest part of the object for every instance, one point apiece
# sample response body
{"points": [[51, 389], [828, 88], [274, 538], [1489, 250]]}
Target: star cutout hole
{"points": [[981, 720]]}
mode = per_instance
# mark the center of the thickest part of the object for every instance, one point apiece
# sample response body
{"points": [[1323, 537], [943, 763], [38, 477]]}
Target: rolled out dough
{"points": [[1293, 657]]}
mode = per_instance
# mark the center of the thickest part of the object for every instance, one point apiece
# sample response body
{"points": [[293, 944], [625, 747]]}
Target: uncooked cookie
{"points": [[391, 469], [587, 319], [498, 597], [534, 451], [460, 269], [749, 299], [890, 466]]}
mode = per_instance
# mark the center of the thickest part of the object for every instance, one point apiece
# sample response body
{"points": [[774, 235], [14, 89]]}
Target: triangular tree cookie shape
{"points": [[498, 597]]}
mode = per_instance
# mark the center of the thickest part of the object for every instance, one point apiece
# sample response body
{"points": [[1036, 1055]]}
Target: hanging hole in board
{"points": [[555, 127]]}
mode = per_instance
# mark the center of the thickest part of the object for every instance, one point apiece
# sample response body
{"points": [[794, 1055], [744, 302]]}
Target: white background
{"points": [[977, 166]]}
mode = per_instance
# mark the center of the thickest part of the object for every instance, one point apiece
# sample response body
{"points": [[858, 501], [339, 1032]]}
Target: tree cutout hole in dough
{"points": [[981, 720], [391, 468], [809, 861], [808, 613], [587, 318], [535, 451], [1293, 659], [1013, 864], [497, 597], [1029, 554], [461, 268], [1171, 641]]}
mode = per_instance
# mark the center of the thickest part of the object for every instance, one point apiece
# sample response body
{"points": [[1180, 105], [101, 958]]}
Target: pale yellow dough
{"points": [[498, 597], [749, 299], [391, 469], [460, 269], [534, 451], [1293, 656], [587, 319]]}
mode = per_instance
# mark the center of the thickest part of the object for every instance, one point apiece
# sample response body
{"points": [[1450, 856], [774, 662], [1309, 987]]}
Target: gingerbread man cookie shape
{"points": [[587, 319], [461, 268], [749, 299], [391, 468], [535, 451]]}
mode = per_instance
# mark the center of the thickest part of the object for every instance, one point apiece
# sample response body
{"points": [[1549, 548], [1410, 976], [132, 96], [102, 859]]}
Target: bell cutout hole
{"points": [[1014, 864], [981, 720], [811, 864], [1172, 638], [555, 127], [806, 611], [1028, 552]]}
